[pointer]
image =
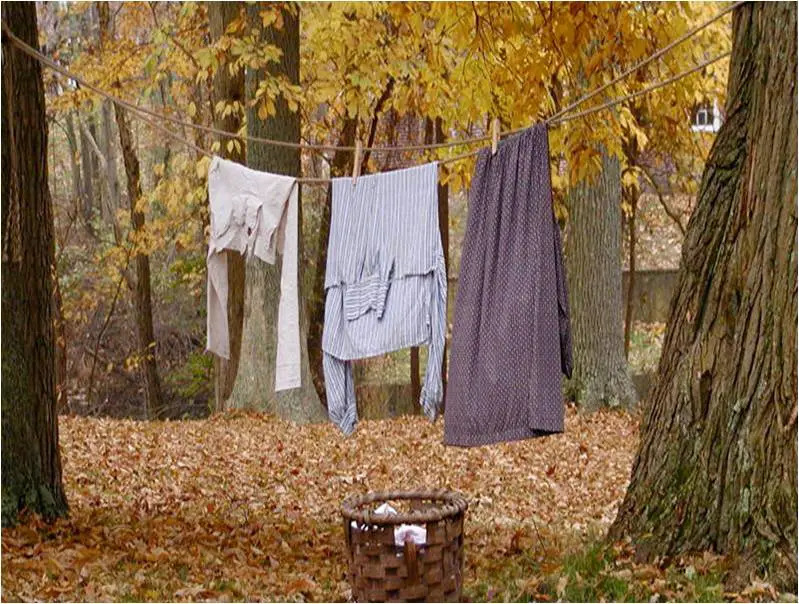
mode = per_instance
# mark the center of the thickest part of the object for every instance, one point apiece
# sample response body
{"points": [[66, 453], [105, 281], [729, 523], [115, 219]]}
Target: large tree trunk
{"points": [[716, 468], [229, 88], [593, 268], [31, 464], [255, 383]]}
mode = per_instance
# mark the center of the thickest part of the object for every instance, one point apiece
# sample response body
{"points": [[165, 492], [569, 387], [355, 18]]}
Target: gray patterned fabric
{"points": [[511, 337], [385, 281]]}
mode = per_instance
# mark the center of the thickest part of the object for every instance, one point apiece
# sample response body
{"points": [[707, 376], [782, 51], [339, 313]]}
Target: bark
{"points": [[255, 383], [31, 463], [341, 164], [229, 88], [593, 268], [716, 468]]}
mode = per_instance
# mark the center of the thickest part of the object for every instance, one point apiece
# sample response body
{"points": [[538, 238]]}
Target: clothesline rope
{"points": [[318, 147], [468, 154], [143, 114]]}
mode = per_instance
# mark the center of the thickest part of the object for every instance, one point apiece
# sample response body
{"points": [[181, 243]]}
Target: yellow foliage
{"points": [[460, 62]]}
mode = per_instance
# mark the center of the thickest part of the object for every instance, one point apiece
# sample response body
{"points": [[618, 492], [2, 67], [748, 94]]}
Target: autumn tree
{"points": [[31, 463], [716, 468], [143, 303], [255, 383]]}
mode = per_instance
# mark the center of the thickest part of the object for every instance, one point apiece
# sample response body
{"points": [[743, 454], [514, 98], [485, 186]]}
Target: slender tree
{"points": [[31, 463], [255, 383], [142, 294], [716, 468]]}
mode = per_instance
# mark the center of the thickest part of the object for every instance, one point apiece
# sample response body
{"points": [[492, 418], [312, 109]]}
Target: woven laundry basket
{"points": [[381, 571]]}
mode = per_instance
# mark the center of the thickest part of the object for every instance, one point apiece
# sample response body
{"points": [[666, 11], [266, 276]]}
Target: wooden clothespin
{"points": [[494, 136], [356, 162]]}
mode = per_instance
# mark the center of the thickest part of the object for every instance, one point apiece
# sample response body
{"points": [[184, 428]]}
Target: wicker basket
{"points": [[381, 571]]}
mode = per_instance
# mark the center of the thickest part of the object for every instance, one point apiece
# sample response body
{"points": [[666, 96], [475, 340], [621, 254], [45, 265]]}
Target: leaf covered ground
{"points": [[243, 506]]}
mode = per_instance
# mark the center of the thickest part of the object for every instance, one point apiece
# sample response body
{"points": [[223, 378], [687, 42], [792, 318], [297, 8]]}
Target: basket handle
{"points": [[410, 560]]}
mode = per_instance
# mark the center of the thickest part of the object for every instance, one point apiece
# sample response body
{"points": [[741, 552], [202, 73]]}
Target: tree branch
{"points": [[669, 212], [373, 127]]}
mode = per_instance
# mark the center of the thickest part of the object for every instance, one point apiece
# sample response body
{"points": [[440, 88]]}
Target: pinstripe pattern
{"points": [[386, 285]]}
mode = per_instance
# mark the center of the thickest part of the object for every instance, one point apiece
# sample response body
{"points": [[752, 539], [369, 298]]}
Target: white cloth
{"points": [[402, 533], [254, 213]]}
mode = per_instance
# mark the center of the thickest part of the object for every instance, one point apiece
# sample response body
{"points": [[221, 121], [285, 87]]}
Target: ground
{"points": [[246, 507]]}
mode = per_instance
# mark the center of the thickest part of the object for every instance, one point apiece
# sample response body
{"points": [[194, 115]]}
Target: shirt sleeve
{"points": [[433, 389]]}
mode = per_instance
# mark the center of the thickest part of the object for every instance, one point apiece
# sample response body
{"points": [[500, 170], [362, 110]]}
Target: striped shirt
{"points": [[385, 283]]}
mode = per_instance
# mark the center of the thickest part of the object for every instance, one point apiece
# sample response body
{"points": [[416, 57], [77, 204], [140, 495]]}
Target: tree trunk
{"points": [[75, 168], [110, 152], [89, 167], [31, 463], [255, 383], [341, 164], [229, 88], [716, 468], [593, 268], [154, 397]]}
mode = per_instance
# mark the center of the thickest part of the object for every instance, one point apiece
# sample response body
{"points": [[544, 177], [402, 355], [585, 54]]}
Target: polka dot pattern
{"points": [[511, 336]]}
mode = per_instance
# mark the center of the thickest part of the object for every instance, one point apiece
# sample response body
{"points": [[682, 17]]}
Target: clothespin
{"points": [[356, 162], [494, 135]]}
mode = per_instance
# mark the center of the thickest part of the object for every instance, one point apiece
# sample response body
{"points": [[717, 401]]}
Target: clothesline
{"points": [[317, 147], [468, 154], [143, 113]]}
